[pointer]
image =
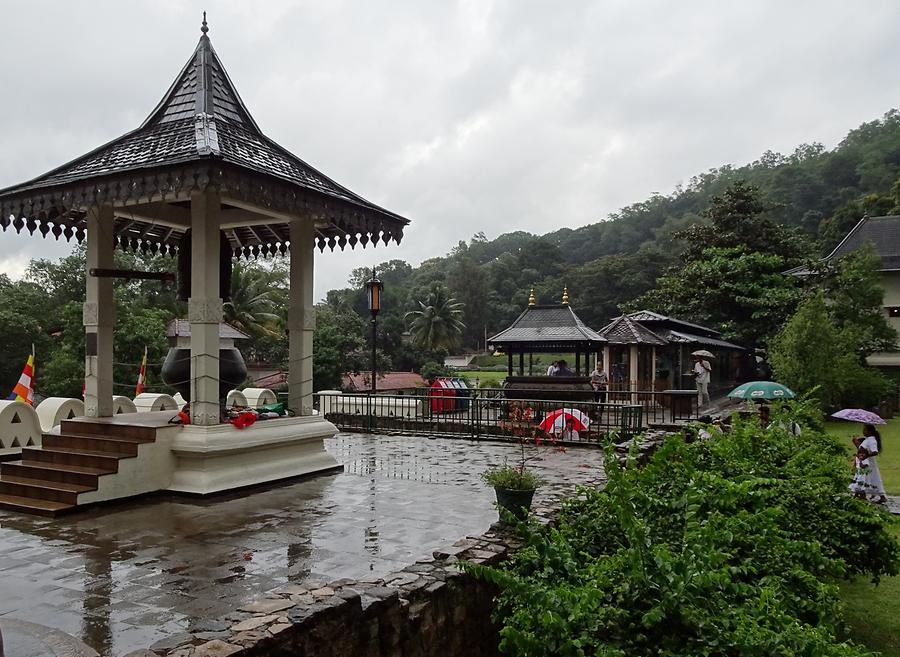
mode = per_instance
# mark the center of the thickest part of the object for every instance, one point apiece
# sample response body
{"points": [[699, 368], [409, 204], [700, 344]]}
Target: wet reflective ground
{"points": [[122, 577]]}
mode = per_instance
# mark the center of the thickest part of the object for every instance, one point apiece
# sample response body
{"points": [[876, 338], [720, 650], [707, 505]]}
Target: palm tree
{"points": [[438, 321], [252, 302]]}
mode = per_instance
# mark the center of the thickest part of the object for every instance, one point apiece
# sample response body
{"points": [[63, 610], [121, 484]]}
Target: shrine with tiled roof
{"points": [[200, 179]]}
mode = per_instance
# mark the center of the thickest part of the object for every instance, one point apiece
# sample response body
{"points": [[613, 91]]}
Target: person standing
{"points": [[599, 382], [553, 369], [870, 482], [701, 371]]}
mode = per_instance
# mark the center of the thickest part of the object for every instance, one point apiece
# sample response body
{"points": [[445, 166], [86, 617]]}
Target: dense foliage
{"points": [[730, 546], [814, 353]]}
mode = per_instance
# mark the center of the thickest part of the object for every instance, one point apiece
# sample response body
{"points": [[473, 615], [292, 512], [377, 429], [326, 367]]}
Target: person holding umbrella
{"points": [[867, 480], [701, 372]]}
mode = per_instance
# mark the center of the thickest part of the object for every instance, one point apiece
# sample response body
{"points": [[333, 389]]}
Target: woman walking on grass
{"points": [[868, 479]]}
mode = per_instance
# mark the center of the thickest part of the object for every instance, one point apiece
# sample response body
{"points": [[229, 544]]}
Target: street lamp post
{"points": [[373, 294]]}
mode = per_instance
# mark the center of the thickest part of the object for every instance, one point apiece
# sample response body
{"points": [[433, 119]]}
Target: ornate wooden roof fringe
{"points": [[199, 136]]}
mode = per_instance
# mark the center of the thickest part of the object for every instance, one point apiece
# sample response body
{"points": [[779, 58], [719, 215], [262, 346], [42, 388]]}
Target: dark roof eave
{"points": [[23, 192]]}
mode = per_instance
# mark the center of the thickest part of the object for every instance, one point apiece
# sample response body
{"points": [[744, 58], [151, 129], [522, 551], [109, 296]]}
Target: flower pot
{"points": [[517, 502]]}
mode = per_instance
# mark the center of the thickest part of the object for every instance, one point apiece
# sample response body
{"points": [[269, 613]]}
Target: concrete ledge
{"points": [[221, 457]]}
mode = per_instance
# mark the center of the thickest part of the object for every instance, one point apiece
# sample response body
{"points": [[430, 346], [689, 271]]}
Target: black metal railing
{"points": [[489, 413]]}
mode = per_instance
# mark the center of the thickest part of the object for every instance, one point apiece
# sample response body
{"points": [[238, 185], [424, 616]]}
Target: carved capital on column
{"points": [[205, 311], [302, 319]]}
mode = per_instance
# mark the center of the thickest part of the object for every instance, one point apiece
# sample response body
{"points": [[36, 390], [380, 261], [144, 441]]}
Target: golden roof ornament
{"points": [[531, 300], [565, 298]]}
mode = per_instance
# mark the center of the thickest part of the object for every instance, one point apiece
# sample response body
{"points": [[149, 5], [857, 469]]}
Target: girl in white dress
{"points": [[869, 481]]}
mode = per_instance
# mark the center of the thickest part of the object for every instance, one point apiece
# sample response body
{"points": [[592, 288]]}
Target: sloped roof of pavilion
{"points": [[200, 135], [645, 326], [547, 328], [624, 330]]}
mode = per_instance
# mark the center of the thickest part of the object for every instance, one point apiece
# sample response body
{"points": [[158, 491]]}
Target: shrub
{"points": [[731, 546]]}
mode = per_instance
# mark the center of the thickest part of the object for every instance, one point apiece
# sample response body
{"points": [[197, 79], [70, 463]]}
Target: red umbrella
{"points": [[557, 420]]}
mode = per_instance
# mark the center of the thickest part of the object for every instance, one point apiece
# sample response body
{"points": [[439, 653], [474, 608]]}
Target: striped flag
{"points": [[24, 390], [142, 375]]}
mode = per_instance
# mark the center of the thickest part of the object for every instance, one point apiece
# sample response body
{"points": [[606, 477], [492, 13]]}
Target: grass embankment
{"points": [[873, 612]]}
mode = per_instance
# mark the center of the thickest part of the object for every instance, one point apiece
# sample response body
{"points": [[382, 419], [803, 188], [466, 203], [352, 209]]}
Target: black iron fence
{"points": [[488, 413]]}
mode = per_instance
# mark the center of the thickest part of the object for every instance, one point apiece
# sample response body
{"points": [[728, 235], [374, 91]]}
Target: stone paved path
{"points": [[121, 577]]}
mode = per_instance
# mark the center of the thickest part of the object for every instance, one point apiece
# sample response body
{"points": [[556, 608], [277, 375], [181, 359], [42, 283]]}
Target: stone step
{"points": [[34, 506], [83, 427], [71, 474], [56, 491], [107, 461], [106, 444]]}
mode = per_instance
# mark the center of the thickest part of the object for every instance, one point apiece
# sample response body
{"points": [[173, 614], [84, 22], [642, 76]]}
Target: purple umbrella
{"points": [[858, 415]]}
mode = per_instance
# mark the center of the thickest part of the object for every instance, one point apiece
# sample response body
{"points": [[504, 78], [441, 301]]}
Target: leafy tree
{"points": [[855, 297], [812, 355], [252, 306], [340, 346], [438, 321], [731, 271]]}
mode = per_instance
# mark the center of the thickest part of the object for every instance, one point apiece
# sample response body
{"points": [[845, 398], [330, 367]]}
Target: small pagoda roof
{"points": [[199, 135], [547, 328], [625, 330], [181, 328]]}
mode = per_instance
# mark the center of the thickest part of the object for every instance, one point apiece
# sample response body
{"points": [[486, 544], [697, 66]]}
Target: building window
{"points": [[893, 311]]}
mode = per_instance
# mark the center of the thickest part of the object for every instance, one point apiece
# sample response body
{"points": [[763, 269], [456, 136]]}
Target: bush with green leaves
{"points": [[729, 546]]}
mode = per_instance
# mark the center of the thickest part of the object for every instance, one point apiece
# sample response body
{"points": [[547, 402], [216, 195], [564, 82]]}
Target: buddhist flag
{"points": [[24, 390], [142, 375]]}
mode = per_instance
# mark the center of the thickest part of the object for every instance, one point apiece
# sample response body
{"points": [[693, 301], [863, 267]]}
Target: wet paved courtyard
{"points": [[121, 577]]}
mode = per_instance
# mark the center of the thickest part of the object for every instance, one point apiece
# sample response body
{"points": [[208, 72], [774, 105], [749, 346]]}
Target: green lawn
{"points": [[888, 460], [873, 612], [494, 378]]}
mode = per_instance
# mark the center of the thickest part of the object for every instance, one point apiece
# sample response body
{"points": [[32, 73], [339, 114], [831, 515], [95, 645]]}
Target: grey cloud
{"points": [[464, 116]]}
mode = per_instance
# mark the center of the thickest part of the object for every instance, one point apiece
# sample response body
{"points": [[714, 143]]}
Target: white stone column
{"points": [[99, 315], [301, 317], [653, 370], [205, 307]]}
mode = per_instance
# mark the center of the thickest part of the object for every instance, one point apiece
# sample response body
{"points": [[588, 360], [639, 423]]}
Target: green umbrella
{"points": [[761, 390]]}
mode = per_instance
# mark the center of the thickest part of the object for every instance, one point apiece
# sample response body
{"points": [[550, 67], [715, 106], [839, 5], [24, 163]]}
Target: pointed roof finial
{"points": [[531, 300], [565, 298], [204, 27]]}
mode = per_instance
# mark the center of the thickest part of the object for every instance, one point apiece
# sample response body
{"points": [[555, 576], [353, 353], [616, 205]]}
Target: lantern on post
{"points": [[374, 288]]}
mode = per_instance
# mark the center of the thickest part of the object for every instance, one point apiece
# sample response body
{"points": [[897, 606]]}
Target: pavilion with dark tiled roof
{"points": [[547, 328], [649, 351]]}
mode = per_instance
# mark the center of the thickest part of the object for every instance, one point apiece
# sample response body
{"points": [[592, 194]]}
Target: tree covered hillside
{"points": [[819, 193]]}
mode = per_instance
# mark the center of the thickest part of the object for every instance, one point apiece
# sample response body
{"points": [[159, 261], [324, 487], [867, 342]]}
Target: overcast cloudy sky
{"points": [[463, 116]]}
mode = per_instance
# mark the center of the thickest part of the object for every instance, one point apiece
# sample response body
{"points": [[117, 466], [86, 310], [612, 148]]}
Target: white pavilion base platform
{"points": [[219, 458]]}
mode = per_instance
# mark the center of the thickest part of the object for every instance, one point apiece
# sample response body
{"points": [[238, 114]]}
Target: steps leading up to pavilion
{"points": [[48, 479]]}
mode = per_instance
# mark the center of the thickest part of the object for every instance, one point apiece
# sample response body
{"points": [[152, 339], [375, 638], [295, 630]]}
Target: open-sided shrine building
{"points": [[200, 180]]}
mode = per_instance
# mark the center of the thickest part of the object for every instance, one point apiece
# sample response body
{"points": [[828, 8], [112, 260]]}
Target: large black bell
{"points": [[176, 370]]}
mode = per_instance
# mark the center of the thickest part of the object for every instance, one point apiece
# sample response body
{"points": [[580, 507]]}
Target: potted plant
{"points": [[515, 485]]}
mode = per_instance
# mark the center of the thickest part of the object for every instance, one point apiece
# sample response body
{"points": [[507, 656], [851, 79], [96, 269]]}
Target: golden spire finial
{"points": [[565, 296], [531, 299]]}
